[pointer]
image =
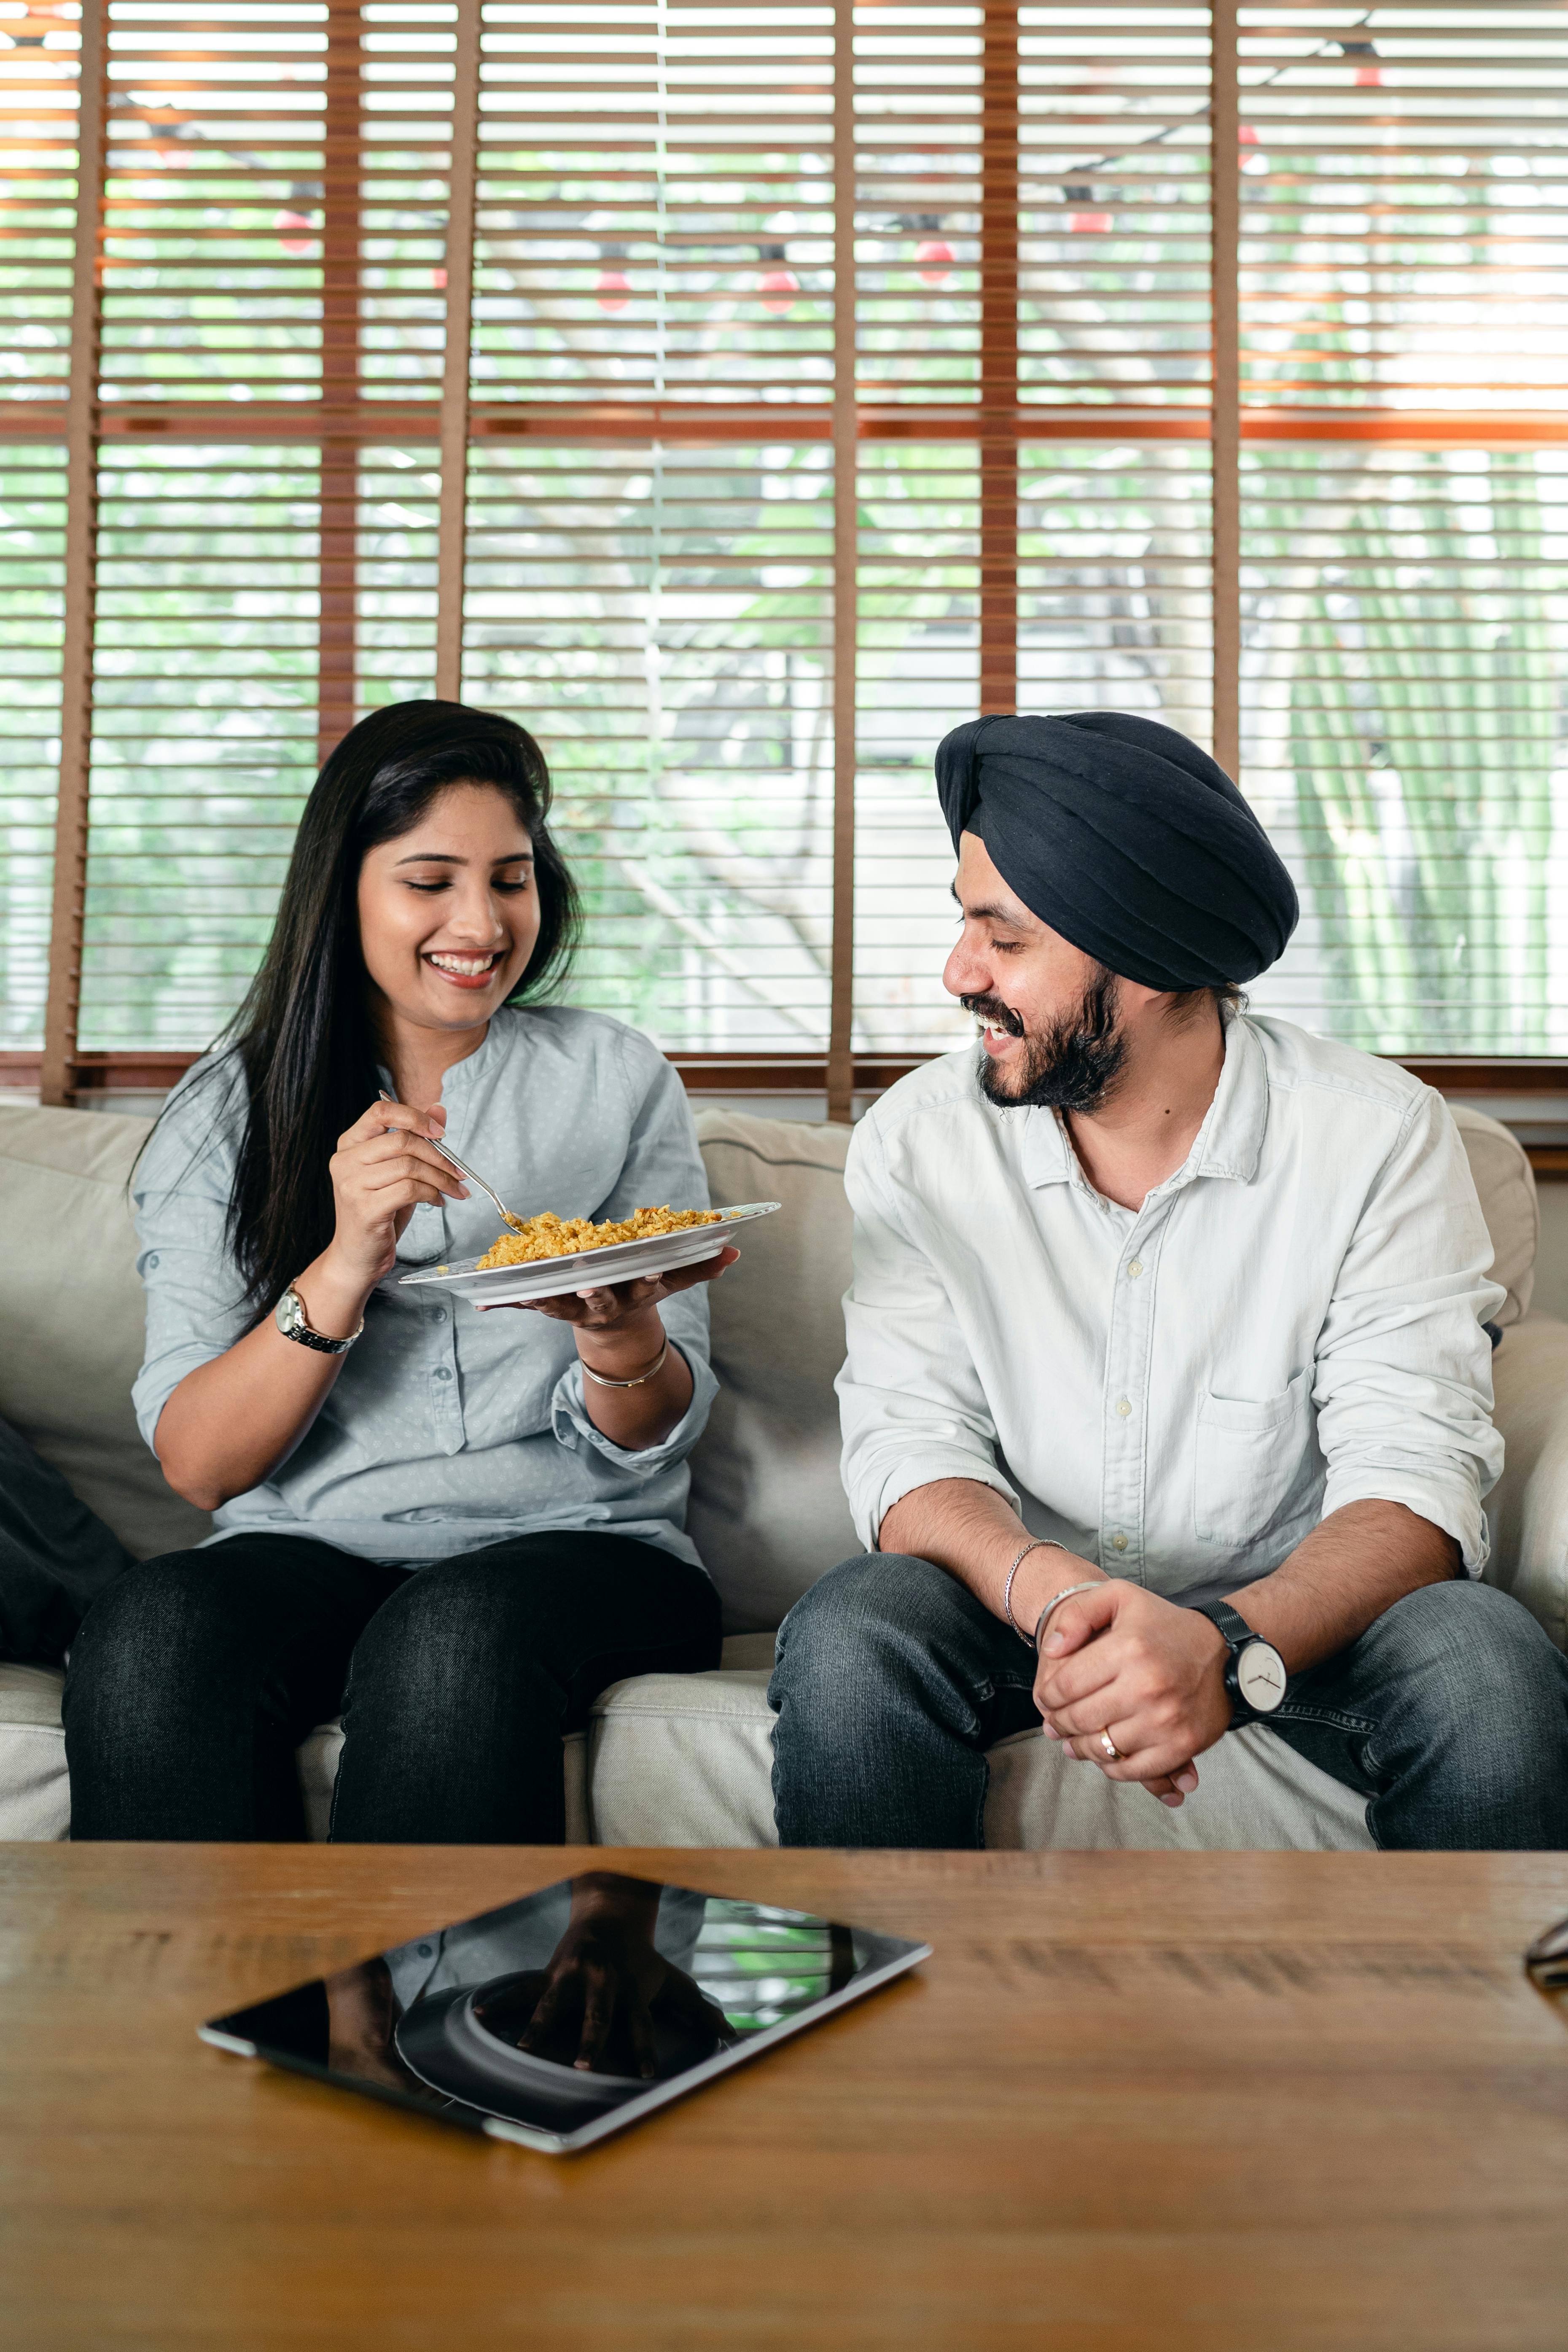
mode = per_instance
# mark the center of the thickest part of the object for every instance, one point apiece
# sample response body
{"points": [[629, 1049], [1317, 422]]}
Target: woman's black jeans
{"points": [[195, 1676]]}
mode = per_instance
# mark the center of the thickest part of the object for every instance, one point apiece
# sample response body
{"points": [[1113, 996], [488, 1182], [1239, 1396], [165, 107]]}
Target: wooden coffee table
{"points": [[1249, 2100]]}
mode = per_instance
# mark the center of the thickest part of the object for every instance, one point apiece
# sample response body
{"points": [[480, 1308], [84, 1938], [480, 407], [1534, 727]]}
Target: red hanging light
{"points": [[613, 291], [934, 259], [1085, 222], [779, 289], [297, 233]]}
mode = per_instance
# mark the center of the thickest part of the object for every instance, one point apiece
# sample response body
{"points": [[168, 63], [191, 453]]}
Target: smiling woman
{"points": [[425, 843], [452, 907], [293, 1177]]}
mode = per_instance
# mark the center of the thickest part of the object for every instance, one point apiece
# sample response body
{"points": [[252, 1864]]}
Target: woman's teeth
{"points": [[466, 966]]}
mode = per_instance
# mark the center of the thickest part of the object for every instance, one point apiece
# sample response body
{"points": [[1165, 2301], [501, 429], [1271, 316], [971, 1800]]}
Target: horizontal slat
{"points": [[32, 583], [655, 205], [1405, 220], [663, 620], [227, 169], [205, 730], [651, 180], [635, 425], [37, 196], [1408, 645], [1114, 611]]}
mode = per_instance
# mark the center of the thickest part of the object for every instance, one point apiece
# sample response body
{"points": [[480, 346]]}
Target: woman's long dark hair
{"points": [[303, 1038]]}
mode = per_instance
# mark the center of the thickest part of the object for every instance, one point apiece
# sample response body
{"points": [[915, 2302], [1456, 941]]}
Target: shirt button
{"points": [[1135, 1269], [442, 1373], [1118, 1543], [1123, 1407]]}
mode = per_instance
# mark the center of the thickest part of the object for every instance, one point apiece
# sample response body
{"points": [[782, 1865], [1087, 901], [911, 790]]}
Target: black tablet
{"points": [[561, 2018]]}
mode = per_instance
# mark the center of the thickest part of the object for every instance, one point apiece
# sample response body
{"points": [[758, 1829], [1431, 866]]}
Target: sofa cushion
{"points": [[767, 1511], [1253, 1792], [317, 1756], [71, 1318], [35, 1791], [686, 1760], [1505, 1185], [1528, 1508]]}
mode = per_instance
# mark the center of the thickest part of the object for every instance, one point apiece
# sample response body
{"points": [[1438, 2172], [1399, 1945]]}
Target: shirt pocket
{"points": [[1250, 1455]]}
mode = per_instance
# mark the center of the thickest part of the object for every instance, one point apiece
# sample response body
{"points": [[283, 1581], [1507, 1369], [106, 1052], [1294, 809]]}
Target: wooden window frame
{"points": [[345, 422]]}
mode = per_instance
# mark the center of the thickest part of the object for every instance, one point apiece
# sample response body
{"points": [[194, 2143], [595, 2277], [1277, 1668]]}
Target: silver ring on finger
{"points": [[1112, 1753]]}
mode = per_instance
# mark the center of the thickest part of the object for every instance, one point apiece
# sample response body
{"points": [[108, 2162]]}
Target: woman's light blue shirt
{"points": [[447, 1429]]}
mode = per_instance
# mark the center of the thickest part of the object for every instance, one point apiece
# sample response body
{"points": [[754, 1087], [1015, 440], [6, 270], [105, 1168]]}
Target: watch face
{"points": [[1260, 1676]]}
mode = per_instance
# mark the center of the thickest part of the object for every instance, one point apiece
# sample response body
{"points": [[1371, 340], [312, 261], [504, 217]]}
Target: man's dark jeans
{"points": [[196, 1675], [1450, 1715]]}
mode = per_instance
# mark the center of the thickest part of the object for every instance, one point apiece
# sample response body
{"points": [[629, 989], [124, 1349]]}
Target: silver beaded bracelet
{"points": [[1035, 1543]]}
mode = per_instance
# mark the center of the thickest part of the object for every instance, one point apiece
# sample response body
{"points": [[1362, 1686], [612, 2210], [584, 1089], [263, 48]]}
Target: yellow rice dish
{"points": [[550, 1236]]}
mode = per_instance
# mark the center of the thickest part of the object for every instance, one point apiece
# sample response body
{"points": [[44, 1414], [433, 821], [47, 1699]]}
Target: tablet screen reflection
{"points": [[552, 2011]]}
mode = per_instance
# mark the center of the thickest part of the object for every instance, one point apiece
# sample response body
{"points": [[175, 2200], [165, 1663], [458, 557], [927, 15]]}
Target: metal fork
{"points": [[463, 1169]]}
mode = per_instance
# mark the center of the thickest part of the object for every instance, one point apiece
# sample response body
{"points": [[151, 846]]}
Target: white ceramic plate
{"points": [[548, 1277]]}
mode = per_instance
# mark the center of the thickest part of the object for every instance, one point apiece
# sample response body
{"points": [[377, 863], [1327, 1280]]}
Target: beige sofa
{"points": [[685, 1759]]}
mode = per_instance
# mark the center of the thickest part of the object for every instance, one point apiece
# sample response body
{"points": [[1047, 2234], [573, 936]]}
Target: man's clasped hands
{"points": [[1122, 1661]]}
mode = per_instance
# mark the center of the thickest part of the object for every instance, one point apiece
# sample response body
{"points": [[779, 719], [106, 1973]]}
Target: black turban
{"points": [[1124, 837]]}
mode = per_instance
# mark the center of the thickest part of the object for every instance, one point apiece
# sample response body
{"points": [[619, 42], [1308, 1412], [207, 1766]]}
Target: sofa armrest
{"points": [[1528, 1509]]}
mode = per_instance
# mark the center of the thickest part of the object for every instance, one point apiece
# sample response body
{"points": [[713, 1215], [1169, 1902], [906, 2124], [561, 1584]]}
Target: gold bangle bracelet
{"points": [[652, 1372]]}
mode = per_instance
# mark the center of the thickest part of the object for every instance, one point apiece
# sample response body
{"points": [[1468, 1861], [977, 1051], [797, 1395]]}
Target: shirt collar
{"points": [[1228, 1143], [490, 1048], [1230, 1140]]}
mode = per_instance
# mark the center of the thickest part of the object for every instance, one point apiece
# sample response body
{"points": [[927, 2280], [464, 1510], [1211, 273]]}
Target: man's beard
{"points": [[1072, 1065]]}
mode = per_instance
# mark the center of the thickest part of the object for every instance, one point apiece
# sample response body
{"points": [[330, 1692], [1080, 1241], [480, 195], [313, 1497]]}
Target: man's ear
{"points": [[1136, 1000]]}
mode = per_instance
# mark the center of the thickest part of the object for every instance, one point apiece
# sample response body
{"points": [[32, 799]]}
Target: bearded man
{"points": [[1167, 1404]]}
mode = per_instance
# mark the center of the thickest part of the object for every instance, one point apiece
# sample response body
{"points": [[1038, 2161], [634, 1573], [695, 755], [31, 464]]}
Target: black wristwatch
{"points": [[1254, 1669]]}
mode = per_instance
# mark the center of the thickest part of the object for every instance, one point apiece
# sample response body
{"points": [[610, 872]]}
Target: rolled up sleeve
{"points": [[569, 1419], [1402, 1381], [663, 1168], [181, 1192], [911, 1407]]}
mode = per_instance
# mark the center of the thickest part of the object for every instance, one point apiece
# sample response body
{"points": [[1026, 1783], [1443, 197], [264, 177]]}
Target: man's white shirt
{"points": [[1289, 1323]]}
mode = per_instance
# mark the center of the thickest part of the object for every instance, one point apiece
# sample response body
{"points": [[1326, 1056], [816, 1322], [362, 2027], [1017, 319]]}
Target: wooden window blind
{"points": [[1404, 347], [740, 391]]}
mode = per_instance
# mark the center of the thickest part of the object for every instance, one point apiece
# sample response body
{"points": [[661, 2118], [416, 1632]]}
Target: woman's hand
{"points": [[617, 1306], [231, 1422], [382, 1169], [620, 1336]]}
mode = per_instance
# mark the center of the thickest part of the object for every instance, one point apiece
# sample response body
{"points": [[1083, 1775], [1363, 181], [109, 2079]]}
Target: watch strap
{"points": [[1229, 1624], [294, 1326], [317, 1340], [1237, 1636]]}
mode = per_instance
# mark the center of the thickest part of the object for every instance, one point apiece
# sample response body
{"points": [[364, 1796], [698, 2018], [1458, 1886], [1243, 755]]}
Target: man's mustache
{"points": [[992, 1009]]}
